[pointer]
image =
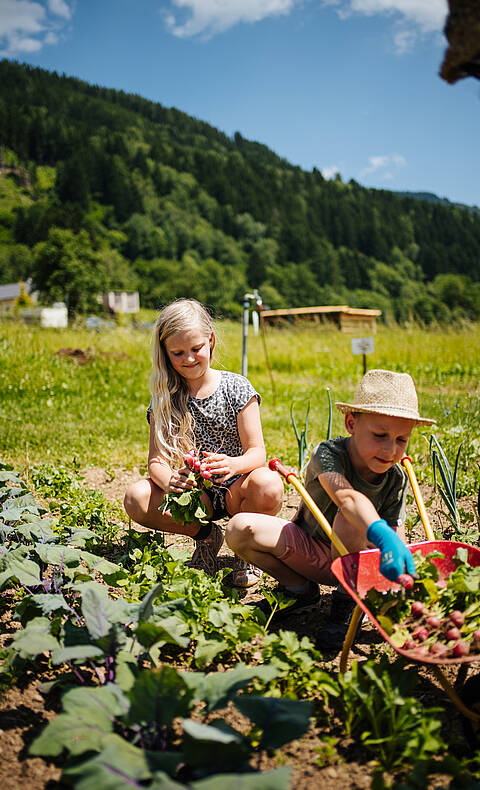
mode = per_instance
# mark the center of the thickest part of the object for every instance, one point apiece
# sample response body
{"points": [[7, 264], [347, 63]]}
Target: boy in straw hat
{"points": [[357, 483]]}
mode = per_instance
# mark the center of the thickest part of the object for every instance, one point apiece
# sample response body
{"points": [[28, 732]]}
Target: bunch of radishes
{"points": [[187, 506], [201, 474], [432, 632]]}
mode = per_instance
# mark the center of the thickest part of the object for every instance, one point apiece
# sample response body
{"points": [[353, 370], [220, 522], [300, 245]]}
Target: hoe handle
{"points": [[407, 464], [292, 478], [276, 466]]}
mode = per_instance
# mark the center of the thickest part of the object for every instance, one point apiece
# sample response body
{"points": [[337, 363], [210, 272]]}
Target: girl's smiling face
{"points": [[378, 442], [189, 352]]}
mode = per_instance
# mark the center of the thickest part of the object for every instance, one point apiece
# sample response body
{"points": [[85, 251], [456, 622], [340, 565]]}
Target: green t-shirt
{"points": [[388, 495]]}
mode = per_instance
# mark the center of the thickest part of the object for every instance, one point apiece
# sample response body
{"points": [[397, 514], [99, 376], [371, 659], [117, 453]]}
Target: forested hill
{"points": [[100, 188]]}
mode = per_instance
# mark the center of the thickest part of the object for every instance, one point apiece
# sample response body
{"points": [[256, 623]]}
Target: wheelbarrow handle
{"points": [[407, 464], [276, 466]]}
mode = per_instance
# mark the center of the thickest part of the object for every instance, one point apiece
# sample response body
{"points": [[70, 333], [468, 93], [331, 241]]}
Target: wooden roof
{"points": [[340, 309]]}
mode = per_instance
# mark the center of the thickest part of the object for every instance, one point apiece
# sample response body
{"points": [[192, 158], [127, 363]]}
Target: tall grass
{"points": [[53, 408]]}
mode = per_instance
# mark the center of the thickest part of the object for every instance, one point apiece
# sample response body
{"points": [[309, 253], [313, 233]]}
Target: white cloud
{"points": [[60, 8], [412, 18], [208, 17], [330, 172], [26, 26], [379, 164]]}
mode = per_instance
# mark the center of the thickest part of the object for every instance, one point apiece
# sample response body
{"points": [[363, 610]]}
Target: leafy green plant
{"points": [[330, 416], [55, 480], [299, 670], [302, 439], [378, 707], [327, 752], [131, 729], [448, 492], [461, 521]]}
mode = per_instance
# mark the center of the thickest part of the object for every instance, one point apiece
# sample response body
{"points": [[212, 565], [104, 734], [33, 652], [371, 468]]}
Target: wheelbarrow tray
{"points": [[359, 572]]}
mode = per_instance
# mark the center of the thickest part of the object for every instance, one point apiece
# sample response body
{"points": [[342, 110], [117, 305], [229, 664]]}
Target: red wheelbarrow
{"points": [[359, 572]]}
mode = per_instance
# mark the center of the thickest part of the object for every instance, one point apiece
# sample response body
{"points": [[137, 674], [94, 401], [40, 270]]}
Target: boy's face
{"points": [[378, 442]]}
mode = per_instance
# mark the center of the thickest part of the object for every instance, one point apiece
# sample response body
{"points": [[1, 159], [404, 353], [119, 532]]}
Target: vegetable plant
{"points": [[187, 507]]}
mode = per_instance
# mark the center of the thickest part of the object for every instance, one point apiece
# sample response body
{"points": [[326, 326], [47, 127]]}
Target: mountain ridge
{"points": [[165, 202]]}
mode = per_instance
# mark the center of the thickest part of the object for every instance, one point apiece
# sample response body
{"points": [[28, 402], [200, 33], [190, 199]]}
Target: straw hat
{"points": [[386, 392]]}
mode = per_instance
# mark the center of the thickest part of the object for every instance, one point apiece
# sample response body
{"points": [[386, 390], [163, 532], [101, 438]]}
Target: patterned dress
{"points": [[215, 427]]}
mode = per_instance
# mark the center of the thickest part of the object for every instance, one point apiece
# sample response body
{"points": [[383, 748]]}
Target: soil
{"points": [[24, 711]]}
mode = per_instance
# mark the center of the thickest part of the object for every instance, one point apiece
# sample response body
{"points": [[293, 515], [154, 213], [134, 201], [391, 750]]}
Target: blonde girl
{"points": [[216, 413]]}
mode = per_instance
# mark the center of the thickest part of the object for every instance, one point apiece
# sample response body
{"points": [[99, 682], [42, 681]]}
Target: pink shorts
{"points": [[306, 556]]}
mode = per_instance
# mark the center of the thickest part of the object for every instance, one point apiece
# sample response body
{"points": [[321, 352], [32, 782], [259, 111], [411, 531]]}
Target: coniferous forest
{"points": [[100, 190]]}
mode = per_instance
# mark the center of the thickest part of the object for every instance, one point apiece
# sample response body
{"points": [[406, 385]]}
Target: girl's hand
{"points": [[222, 466], [180, 481]]}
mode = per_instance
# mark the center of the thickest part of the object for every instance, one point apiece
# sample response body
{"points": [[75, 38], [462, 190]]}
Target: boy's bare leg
{"points": [[261, 491], [142, 502], [258, 539]]}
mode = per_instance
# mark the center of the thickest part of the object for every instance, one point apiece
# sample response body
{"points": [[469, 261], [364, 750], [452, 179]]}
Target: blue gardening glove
{"points": [[395, 557]]}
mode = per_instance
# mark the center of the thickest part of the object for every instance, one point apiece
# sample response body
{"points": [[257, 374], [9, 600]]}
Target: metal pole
{"points": [[246, 305]]}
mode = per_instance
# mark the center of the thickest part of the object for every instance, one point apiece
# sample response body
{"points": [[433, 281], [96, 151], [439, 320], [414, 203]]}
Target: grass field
{"points": [[78, 398], [54, 408]]}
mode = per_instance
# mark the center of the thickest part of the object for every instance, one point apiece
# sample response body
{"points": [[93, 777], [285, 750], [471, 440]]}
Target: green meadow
{"points": [[55, 409]]}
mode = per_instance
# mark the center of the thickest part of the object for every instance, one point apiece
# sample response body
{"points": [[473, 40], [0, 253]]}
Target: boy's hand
{"points": [[395, 557]]}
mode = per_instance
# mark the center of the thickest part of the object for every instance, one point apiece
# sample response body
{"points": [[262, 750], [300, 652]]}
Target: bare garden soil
{"points": [[24, 710]]}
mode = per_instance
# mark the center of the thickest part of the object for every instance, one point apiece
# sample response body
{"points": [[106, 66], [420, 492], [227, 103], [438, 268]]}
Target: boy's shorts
{"points": [[306, 556]]}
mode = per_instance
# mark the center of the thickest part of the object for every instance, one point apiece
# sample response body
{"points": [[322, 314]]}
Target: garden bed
{"points": [[326, 755]]}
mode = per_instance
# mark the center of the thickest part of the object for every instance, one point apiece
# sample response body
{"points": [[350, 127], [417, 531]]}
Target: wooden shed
{"points": [[347, 319]]}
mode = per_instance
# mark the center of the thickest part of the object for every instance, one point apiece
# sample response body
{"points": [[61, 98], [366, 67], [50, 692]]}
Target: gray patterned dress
{"points": [[215, 427]]}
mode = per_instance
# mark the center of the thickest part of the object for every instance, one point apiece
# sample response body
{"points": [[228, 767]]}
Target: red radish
{"points": [[189, 460], [406, 581], [409, 644], [422, 651], [433, 621], [420, 633], [476, 635], [438, 649], [417, 608], [457, 617], [452, 633], [196, 465], [461, 649], [206, 474]]}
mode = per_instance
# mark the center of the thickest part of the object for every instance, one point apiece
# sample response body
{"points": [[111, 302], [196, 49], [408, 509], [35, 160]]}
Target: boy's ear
{"points": [[350, 422]]}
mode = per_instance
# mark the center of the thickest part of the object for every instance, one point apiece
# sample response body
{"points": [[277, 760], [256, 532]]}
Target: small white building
{"points": [[120, 301], [55, 317]]}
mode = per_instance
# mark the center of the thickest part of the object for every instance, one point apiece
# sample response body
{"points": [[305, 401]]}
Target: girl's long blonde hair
{"points": [[173, 422]]}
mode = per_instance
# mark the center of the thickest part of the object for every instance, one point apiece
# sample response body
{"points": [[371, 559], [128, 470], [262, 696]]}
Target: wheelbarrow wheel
{"points": [[470, 696]]}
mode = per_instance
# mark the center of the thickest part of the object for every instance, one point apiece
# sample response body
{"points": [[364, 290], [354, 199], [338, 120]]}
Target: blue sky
{"points": [[342, 85]]}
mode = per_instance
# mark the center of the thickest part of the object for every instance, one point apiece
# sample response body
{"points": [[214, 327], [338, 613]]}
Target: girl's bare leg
{"points": [[261, 491], [258, 539], [142, 502]]}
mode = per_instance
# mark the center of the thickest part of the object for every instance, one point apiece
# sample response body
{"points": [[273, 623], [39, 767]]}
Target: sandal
{"points": [[205, 555], [245, 574]]}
